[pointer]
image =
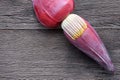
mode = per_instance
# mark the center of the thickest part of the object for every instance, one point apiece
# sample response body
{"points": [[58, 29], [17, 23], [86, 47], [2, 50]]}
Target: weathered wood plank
{"points": [[47, 55], [19, 14]]}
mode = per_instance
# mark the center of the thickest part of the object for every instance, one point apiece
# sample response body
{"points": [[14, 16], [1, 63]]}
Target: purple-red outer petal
{"points": [[90, 43]]}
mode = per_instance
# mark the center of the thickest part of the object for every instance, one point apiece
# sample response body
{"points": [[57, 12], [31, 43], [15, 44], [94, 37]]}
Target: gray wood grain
{"points": [[47, 55], [28, 51], [19, 14]]}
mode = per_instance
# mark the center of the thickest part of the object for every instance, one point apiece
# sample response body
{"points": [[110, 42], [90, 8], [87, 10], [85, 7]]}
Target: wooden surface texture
{"points": [[28, 51]]}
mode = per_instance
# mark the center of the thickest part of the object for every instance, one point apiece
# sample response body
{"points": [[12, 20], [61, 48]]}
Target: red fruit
{"points": [[51, 12]]}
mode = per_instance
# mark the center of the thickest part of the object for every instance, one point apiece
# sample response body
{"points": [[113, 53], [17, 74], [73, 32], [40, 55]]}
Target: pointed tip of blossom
{"points": [[110, 68]]}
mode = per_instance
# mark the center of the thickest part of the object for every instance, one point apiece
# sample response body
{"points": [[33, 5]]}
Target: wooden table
{"points": [[28, 51]]}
